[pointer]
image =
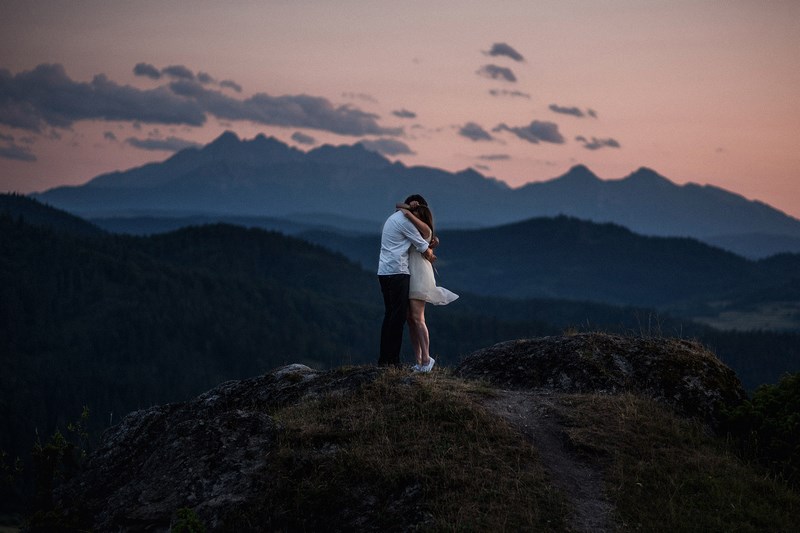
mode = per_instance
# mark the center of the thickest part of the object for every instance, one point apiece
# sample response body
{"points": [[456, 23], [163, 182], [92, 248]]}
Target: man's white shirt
{"points": [[399, 234]]}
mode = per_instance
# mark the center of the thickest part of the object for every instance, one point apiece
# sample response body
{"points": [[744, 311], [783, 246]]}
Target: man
{"points": [[399, 234]]}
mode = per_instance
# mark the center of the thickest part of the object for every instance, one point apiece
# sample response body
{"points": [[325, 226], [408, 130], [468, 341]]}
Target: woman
{"points": [[422, 287]]}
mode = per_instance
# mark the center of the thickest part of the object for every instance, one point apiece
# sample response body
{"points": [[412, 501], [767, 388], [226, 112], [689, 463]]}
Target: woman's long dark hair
{"points": [[426, 215]]}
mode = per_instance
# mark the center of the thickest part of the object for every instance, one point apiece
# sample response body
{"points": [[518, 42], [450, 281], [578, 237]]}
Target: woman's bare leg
{"points": [[412, 333], [416, 313]]}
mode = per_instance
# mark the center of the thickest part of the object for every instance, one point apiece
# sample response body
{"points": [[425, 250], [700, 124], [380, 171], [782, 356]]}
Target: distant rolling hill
{"points": [[567, 258], [263, 177], [551, 258]]}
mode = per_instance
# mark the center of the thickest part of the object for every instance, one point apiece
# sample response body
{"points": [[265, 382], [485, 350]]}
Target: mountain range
{"points": [[264, 177]]}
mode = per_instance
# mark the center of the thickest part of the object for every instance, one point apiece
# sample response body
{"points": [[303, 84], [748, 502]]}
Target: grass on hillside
{"points": [[419, 451], [410, 450], [666, 473]]}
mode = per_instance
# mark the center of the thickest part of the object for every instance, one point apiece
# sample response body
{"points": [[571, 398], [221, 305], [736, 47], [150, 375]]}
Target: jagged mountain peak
{"points": [[646, 175], [347, 155], [579, 174], [227, 138]]}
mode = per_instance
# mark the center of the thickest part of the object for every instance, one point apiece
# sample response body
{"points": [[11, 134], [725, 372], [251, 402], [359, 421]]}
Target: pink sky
{"points": [[700, 91]]}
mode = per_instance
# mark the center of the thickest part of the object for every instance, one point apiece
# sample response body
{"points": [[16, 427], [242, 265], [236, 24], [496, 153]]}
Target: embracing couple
{"points": [[405, 272]]}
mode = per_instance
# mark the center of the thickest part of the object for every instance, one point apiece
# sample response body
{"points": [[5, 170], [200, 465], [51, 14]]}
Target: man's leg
{"points": [[395, 302]]}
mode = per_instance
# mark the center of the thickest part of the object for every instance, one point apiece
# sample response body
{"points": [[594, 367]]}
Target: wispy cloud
{"points": [[474, 132], [596, 144], [387, 146], [170, 144], [503, 49], [147, 70], [9, 149], [404, 113], [497, 73], [494, 157], [572, 110], [205, 77], [47, 96], [109, 136], [178, 71], [510, 94], [230, 84], [302, 138], [535, 132], [301, 111]]}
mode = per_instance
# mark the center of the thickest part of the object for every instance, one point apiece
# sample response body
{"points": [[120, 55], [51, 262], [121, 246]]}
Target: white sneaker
{"points": [[416, 368], [429, 366]]}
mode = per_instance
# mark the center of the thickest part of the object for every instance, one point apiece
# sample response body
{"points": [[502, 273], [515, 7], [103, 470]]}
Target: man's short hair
{"points": [[416, 198]]}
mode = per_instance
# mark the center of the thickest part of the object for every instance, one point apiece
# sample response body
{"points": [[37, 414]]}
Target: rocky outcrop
{"points": [[208, 454], [680, 373], [220, 453]]}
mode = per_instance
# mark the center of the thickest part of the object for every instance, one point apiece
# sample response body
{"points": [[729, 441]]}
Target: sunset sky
{"points": [[700, 91]]}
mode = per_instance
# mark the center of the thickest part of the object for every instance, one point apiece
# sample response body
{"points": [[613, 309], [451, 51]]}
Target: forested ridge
{"points": [[568, 258], [118, 323]]}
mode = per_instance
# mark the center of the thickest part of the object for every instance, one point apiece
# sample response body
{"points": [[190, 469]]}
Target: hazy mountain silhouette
{"points": [[265, 177]]}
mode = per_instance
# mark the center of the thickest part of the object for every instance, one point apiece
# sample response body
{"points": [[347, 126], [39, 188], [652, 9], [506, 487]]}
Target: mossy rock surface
{"points": [[680, 373]]}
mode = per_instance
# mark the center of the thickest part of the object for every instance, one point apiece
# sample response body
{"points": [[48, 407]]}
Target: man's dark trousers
{"points": [[395, 301]]}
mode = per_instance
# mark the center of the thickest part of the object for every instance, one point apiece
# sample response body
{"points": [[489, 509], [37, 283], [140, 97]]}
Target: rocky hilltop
{"points": [[526, 435], [679, 373]]}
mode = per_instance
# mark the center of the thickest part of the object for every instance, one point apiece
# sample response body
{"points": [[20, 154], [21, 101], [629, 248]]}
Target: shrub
{"points": [[768, 427]]}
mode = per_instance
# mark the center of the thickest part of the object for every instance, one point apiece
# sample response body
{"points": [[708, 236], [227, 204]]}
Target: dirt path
{"points": [[534, 414]]}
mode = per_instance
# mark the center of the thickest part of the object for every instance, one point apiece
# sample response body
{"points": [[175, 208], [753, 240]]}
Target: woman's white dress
{"points": [[422, 285]]}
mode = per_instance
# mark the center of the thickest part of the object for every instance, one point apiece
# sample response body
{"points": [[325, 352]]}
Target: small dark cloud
{"points": [[387, 146], [483, 167], [205, 77], [510, 94], [302, 138], [596, 144], [474, 132], [230, 84], [178, 72], [11, 150], [494, 157], [147, 70], [574, 111], [170, 144], [109, 135], [503, 49], [404, 113], [535, 132], [496, 73]]}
